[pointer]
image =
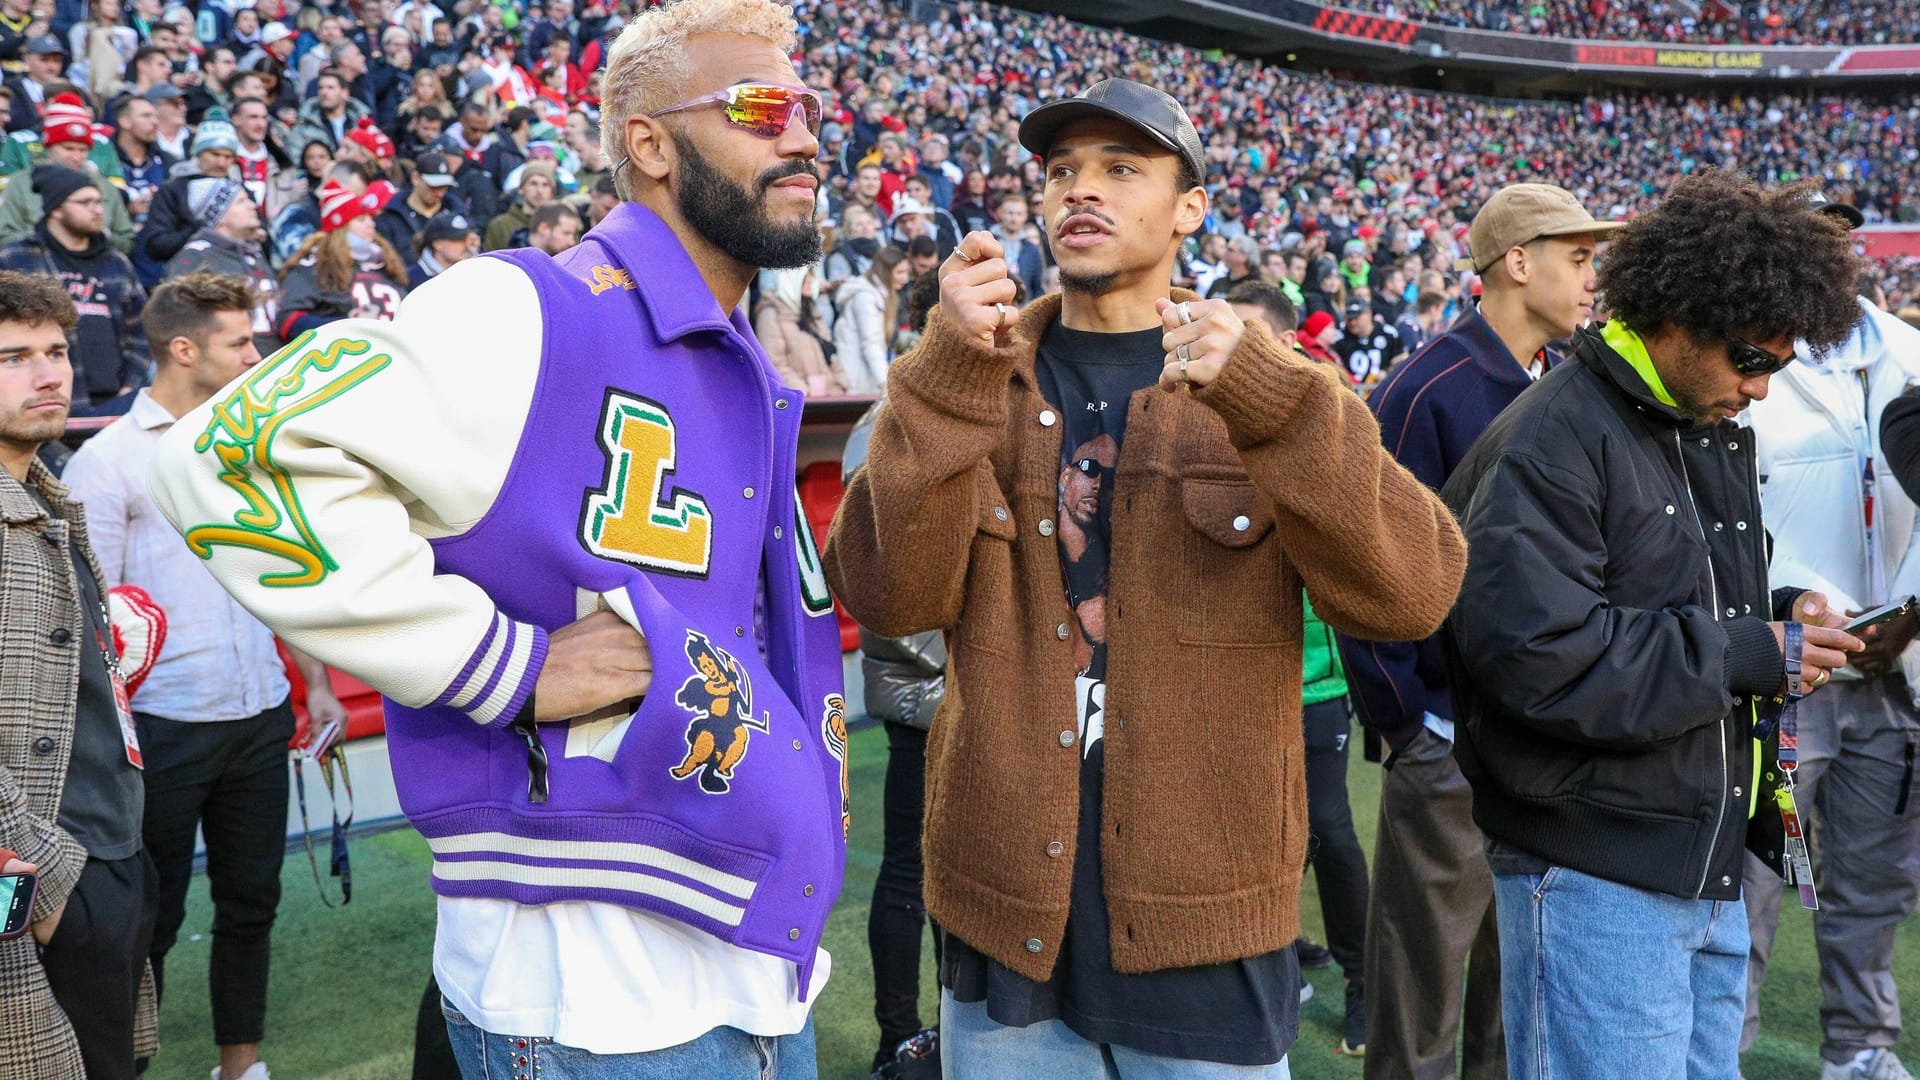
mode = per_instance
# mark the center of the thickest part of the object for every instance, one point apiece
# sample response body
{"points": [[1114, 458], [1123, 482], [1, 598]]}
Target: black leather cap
{"points": [[1148, 108], [1849, 214]]}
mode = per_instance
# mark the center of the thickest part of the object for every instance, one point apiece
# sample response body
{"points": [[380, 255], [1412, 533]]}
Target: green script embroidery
{"points": [[240, 436]]}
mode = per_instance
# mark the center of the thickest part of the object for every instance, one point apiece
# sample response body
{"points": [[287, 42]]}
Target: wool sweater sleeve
{"points": [[898, 553], [313, 496], [1379, 553]]}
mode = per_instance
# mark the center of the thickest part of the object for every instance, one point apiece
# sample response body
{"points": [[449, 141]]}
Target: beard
{"points": [[736, 221], [36, 429], [1089, 282]]}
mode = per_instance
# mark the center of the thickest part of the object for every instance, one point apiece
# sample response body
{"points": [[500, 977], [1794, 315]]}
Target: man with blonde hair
{"points": [[633, 873]]}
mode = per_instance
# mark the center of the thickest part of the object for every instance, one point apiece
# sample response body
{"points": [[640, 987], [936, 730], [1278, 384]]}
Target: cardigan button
{"points": [[43, 745], [1067, 737], [1045, 527], [1047, 418], [1055, 849], [999, 513], [1061, 631], [1034, 945], [1242, 523], [60, 636]]}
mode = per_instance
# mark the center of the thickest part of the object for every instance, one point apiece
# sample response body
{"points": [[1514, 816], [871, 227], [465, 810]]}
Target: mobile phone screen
{"points": [[16, 904]]}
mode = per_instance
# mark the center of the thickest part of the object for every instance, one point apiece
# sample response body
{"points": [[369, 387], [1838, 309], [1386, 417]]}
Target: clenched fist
{"points": [[1205, 343], [972, 281]]}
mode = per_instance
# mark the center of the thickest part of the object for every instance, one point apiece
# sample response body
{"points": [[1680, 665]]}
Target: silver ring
{"points": [[1002, 324], [1184, 355], [1186, 313], [1184, 377], [964, 257]]}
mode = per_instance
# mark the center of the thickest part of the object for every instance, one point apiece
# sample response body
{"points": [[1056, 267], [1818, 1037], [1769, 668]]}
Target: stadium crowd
{"points": [[1814, 22], [380, 144]]}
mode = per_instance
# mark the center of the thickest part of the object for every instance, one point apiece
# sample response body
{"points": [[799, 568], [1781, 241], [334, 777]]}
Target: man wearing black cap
{"points": [[45, 59], [1367, 346], [1116, 808], [110, 356], [431, 193], [445, 240]]}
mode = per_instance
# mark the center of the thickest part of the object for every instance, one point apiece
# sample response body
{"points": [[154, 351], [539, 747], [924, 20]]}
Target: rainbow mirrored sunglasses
{"points": [[766, 109]]}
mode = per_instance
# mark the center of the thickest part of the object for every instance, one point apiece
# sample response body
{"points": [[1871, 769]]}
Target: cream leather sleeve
{"points": [[312, 484]]}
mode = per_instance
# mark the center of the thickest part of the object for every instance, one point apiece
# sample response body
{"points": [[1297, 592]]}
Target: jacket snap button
{"points": [[739, 631], [1066, 738], [793, 934], [43, 745], [780, 403], [1047, 418], [1704, 441], [808, 891], [1733, 445], [1737, 793], [1060, 631], [1719, 526], [1055, 848], [1045, 527], [1669, 508], [1731, 613], [999, 513], [796, 744], [60, 636], [777, 533], [1242, 523], [1741, 525], [1033, 944], [746, 493], [1725, 880]]}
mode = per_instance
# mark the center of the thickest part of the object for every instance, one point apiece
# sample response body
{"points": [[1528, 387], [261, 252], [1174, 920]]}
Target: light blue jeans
{"points": [[721, 1054], [1604, 980], [973, 1047]]}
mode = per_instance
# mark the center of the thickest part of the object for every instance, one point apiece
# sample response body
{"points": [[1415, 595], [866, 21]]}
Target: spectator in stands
{"points": [[857, 246], [554, 228], [142, 163], [46, 62], [258, 156], [446, 240], [971, 203], [1603, 653], [346, 270], [79, 1004], [217, 67], [1026, 938], [1025, 255], [68, 142], [213, 715], [1429, 320], [408, 212], [866, 315], [170, 222], [1434, 943], [1242, 266], [172, 133], [331, 113], [537, 185], [228, 244], [70, 245], [1367, 346], [789, 321]]}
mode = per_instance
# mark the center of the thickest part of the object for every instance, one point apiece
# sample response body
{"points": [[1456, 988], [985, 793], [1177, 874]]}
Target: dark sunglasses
{"points": [[1750, 359], [1090, 467]]}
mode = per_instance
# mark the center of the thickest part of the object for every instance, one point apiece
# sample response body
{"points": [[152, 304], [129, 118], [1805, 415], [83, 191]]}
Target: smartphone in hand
{"points": [[16, 904], [1883, 613]]}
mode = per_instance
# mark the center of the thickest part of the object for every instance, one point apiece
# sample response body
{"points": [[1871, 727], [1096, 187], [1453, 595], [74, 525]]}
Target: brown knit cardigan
{"points": [[1227, 501]]}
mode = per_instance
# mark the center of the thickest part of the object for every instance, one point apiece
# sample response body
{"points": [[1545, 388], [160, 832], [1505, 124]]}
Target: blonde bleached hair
{"points": [[648, 68]]}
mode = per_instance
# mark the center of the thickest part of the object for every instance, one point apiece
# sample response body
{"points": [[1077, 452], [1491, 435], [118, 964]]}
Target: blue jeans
{"points": [[721, 1054], [973, 1047], [1605, 980]]}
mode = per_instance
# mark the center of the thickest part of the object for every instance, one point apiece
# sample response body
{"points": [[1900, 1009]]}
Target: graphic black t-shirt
{"points": [[1246, 1012]]}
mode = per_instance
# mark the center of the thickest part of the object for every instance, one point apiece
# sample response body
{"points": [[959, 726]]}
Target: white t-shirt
{"points": [[609, 979]]}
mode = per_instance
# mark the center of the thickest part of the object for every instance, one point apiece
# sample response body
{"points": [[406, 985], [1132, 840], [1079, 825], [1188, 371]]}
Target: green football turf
{"points": [[346, 983]]}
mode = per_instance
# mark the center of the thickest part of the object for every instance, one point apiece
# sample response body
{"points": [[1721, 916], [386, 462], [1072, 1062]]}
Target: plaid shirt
{"points": [[40, 669]]}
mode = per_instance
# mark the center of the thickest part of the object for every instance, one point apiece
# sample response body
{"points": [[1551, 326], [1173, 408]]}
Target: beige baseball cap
{"points": [[1522, 213]]}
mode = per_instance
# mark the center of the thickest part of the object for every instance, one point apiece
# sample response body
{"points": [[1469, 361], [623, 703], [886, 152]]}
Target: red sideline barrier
{"points": [[820, 494], [1889, 241], [365, 716]]}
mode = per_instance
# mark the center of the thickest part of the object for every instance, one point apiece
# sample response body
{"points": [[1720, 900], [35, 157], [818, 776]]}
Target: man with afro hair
{"points": [[1618, 658]]}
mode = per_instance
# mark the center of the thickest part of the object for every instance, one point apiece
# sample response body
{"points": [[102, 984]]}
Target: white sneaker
{"points": [[1877, 1064], [255, 1071]]}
